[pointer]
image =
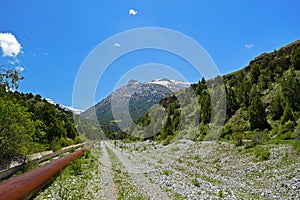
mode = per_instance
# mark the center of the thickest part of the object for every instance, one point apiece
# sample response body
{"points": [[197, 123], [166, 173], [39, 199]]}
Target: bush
{"points": [[196, 183], [262, 154], [166, 172], [55, 145], [286, 130], [227, 131], [221, 194], [167, 140], [76, 167], [65, 142], [238, 138], [260, 137]]}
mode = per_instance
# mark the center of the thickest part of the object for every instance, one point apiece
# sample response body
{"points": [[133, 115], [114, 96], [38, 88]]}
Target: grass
{"points": [[211, 180], [72, 181], [197, 158], [178, 196]]}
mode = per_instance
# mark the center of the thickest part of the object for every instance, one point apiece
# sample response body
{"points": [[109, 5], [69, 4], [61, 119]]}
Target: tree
{"points": [[257, 114], [254, 73], [287, 114], [277, 106], [9, 77], [71, 130], [231, 102], [16, 130], [295, 60], [244, 91], [205, 107], [291, 89]]}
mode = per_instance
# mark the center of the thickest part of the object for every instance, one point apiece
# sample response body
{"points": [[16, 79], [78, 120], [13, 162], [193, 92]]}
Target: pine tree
{"points": [[231, 102], [287, 114], [291, 90], [277, 106], [257, 114], [295, 60], [205, 107]]}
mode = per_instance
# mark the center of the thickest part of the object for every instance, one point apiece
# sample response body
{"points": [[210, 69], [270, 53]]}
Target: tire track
{"points": [[144, 185], [108, 186]]}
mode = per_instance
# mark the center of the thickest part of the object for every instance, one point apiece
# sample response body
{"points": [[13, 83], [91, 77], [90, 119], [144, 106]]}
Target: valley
{"points": [[182, 170], [235, 136]]}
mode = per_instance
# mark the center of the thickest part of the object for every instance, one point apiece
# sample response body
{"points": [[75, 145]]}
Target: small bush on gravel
{"points": [[76, 167], [221, 194], [167, 140], [166, 172], [262, 154], [196, 183]]}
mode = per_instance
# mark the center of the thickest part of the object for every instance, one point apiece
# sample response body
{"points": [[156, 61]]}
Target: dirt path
{"points": [[108, 187], [141, 182]]}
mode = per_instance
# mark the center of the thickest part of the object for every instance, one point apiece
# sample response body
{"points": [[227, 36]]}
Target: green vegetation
{"points": [[221, 194], [262, 154], [166, 172], [262, 104], [196, 182], [29, 123], [73, 182]]}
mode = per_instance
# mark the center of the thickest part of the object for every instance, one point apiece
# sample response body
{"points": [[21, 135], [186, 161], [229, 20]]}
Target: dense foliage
{"points": [[262, 102], [30, 124]]}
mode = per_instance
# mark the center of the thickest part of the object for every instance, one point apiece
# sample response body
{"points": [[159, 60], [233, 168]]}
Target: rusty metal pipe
{"points": [[25, 185]]}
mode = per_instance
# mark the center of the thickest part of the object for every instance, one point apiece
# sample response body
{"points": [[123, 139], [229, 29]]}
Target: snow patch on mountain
{"points": [[173, 85], [67, 108]]}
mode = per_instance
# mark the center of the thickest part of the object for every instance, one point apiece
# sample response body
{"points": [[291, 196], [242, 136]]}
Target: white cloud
{"points": [[117, 44], [9, 45], [20, 68], [132, 12], [249, 46]]}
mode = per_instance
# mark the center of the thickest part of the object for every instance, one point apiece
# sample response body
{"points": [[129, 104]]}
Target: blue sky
{"points": [[56, 36]]}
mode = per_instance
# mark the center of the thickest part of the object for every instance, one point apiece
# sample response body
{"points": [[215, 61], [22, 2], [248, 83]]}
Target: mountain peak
{"points": [[139, 95], [173, 85], [132, 81]]}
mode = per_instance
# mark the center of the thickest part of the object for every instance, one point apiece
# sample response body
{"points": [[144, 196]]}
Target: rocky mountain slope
{"points": [[137, 95]]}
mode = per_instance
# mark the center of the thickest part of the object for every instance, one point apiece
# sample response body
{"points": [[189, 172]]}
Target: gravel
{"points": [[188, 170]]}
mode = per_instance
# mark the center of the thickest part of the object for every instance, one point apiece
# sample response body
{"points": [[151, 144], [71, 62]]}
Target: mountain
{"points": [[66, 108], [262, 104], [138, 96], [173, 85]]}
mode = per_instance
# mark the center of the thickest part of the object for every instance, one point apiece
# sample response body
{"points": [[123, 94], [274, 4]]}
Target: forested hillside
{"points": [[28, 123], [262, 103]]}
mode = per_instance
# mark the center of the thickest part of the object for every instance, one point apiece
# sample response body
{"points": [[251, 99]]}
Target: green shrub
{"points": [[65, 141], [262, 154], [196, 183], [77, 140], [166, 172], [167, 140], [287, 127], [227, 131], [55, 145], [260, 137], [221, 194], [76, 167], [238, 138]]}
